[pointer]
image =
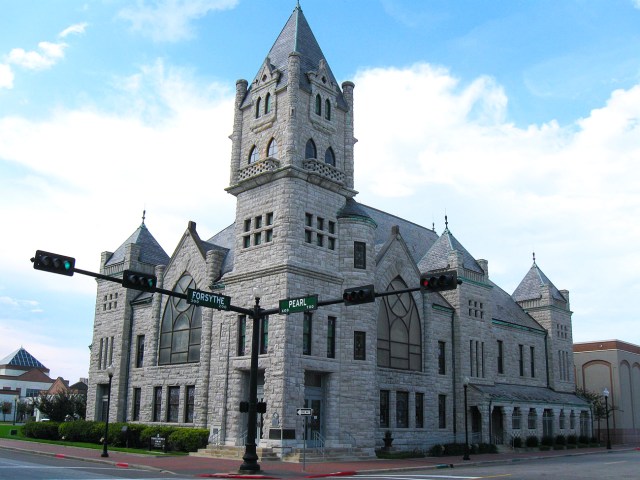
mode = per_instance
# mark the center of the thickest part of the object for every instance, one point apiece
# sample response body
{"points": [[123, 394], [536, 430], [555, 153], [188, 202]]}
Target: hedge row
{"points": [[133, 436]]}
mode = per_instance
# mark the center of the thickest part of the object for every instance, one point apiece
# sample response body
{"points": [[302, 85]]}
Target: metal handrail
{"points": [[318, 441], [352, 441]]}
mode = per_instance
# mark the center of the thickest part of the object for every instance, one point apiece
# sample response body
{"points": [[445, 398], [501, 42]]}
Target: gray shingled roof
{"points": [[21, 358], [150, 252], [529, 394], [296, 36], [506, 310], [529, 288], [225, 239], [438, 255]]}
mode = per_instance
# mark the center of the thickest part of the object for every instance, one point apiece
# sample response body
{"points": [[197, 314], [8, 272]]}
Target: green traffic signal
{"points": [[54, 263]]}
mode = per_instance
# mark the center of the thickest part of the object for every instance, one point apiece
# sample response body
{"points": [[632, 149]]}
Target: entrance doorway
{"points": [[497, 426], [314, 399]]}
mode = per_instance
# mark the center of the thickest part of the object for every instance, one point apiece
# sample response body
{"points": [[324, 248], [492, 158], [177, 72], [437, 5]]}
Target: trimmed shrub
{"points": [[155, 430], [188, 439], [561, 440], [43, 430], [487, 448], [79, 431], [547, 441], [583, 439], [436, 451], [532, 441], [517, 442], [572, 440]]}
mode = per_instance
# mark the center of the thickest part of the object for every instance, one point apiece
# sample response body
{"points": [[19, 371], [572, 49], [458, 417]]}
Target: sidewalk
{"points": [[216, 467]]}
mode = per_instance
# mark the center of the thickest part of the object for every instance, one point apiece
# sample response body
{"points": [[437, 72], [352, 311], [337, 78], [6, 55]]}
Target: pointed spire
{"points": [[446, 222], [534, 257], [144, 214]]}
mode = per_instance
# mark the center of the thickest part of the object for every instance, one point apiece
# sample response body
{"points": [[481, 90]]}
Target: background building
{"points": [[614, 365], [400, 363]]}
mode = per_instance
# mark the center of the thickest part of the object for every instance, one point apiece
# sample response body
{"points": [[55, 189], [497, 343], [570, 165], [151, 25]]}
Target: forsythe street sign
{"points": [[208, 299], [300, 304]]}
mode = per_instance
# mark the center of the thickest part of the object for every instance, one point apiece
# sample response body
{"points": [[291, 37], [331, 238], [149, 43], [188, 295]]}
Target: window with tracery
{"points": [[399, 330], [181, 327], [253, 155], [272, 149]]}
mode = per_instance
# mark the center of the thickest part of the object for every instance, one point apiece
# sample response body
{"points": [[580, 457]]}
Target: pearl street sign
{"points": [[208, 299], [300, 304]]}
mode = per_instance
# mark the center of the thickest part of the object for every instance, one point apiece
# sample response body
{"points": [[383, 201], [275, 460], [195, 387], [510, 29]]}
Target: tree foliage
{"points": [[63, 405]]}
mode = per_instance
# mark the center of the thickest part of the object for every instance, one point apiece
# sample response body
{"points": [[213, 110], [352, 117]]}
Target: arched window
{"points": [[399, 330], [181, 327], [258, 103], [327, 109], [329, 157], [272, 149], [318, 105], [310, 150], [267, 103], [253, 155]]}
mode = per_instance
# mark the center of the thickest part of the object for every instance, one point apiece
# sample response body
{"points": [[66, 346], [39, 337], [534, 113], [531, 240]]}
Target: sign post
{"points": [[306, 413]]}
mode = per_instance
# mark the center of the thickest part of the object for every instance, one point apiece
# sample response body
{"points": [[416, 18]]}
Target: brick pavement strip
{"points": [[224, 468]]}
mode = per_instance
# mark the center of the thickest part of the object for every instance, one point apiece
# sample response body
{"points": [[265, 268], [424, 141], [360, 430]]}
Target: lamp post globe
{"points": [[105, 453]]}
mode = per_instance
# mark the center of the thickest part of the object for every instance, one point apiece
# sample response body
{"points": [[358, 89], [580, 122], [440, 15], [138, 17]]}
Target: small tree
{"points": [[6, 408], [596, 400], [25, 409], [57, 407]]}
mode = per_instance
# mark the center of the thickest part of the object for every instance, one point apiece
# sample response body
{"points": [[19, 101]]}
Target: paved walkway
{"points": [[215, 467]]}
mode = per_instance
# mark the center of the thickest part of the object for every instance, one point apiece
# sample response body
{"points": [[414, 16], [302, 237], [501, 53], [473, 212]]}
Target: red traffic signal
{"points": [[139, 281], [440, 281], [364, 294], [54, 263]]}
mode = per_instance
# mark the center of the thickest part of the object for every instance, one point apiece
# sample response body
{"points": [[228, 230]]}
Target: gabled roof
{"points": [[150, 250], [507, 310], [296, 36], [438, 255], [22, 358], [529, 288]]}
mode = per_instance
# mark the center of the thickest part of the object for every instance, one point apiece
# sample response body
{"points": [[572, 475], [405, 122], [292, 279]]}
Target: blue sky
{"points": [[519, 119]]}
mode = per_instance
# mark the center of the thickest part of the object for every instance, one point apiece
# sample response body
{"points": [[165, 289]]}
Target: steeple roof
{"points": [[438, 255], [296, 36], [22, 358], [150, 250], [529, 288]]}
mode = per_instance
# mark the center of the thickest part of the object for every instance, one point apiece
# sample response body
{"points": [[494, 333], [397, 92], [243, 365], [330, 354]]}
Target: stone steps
{"points": [[295, 455]]}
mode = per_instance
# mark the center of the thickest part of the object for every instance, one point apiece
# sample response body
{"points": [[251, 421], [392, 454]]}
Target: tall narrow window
{"points": [[139, 351], [306, 333], [267, 103], [330, 157], [189, 403], [500, 357], [384, 408], [157, 403], [441, 358], [318, 105], [242, 334], [360, 255], [532, 361], [258, 109], [137, 394], [419, 410], [327, 109], [402, 409], [331, 337], [253, 155], [521, 360], [532, 419], [310, 150], [442, 411], [272, 149], [173, 401], [359, 345], [264, 336], [515, 419]]}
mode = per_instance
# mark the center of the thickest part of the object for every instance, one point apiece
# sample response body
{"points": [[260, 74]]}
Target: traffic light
{"points": [[54, 263], [354, 296], [438, 282], [138, 280]]}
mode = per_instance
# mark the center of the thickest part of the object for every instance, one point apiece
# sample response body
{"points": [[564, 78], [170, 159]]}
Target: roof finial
{"points": [[144, 214], [534, 257], [433, 226], [446, 222]]}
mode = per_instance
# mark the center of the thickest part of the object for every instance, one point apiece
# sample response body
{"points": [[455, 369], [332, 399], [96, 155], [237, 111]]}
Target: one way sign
{"points": [[306, 412]]}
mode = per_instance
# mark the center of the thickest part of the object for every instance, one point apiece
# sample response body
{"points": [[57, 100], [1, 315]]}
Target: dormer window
{"points": [[267, 103], [258, 103], [318, 105], [253, 155], [329, 157], [327, 109], [272, 149], [310, 150]]}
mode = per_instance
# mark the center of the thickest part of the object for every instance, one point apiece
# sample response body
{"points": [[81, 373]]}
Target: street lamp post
{"points": [[466, 425], [250, 458], [605, 392], [105, 453]]}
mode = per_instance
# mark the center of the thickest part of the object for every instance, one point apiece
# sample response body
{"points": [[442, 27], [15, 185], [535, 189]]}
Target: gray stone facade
{"points": [[397, 364]]}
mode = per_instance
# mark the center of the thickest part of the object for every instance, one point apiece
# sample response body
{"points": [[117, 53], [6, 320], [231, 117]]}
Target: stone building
{"points": [[613, 365], [400, 363]]}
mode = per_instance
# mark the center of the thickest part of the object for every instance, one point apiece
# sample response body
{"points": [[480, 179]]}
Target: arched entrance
{"points": [[476, 425], [497, 426]]}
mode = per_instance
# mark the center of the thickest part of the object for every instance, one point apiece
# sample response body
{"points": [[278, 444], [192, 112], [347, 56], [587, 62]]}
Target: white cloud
{"points": [[636, 4], [75, 29], [170, 20], [49, 55], [6, 76]]}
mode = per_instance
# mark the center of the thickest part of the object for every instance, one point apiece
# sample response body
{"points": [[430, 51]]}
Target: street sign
{"points": [[300, 304], [305, 412], [208, 299]]}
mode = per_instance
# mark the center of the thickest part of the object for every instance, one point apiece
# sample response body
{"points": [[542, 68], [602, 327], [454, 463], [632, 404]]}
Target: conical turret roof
{"points": [[529, 288], [438, 255], [150, 250]]}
